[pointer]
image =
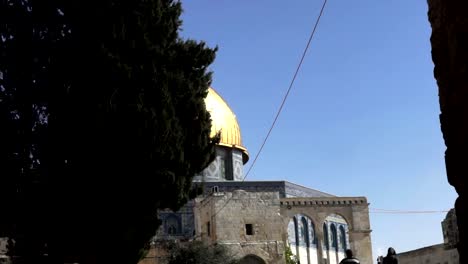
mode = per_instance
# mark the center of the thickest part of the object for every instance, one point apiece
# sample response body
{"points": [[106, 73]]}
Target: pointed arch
{"points": [[252, 259]]}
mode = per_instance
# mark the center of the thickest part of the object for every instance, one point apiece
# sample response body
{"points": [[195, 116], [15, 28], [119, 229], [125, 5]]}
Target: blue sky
{"points": [[362, 118]]}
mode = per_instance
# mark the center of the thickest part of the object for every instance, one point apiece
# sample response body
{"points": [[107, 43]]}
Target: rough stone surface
{"points": [[449, 40], [222, 218], [436, 254], [450, 229]]}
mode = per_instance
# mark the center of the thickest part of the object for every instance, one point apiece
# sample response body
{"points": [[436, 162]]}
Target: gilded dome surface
{"points": [[224, 120]]}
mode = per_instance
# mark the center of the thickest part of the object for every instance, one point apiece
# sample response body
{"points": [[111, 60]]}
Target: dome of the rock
{"points": [[224, 121]]}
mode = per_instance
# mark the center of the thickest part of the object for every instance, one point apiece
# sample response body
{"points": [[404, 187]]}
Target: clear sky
{"points": [[362, 118]]}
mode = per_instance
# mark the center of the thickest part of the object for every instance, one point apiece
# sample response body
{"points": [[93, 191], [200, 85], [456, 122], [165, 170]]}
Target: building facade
{"points": [[248, 223], [262, 224], [257, 220], [320, 229], [435, 254]]}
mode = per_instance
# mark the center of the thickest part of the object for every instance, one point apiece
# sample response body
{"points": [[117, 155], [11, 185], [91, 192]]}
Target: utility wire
{"points": [[391, 211], [287, 92], [399, 210], [283, 102], [409, 212]]}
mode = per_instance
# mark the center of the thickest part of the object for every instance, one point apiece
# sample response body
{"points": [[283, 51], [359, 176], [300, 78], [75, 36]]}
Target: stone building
{"points": [[227, 166], [445, 253], [258, 219], [249, 223], [435, 254], [316, 225], [450, 229], [326, 227]]}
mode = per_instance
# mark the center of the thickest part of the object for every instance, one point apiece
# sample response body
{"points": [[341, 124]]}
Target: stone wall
{"points": [[354, 210], [224, 218], [436, 254], [449, 40], [450, 229], [249, 223]]}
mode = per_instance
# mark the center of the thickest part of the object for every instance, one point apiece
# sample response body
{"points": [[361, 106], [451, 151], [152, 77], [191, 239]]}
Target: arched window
{"points": [[172, 230], [334, 237], [225, 163], [343, 237], [296, 231], [325, 236], [305, 232], [292, 232], [313, 236], [173, 226]]}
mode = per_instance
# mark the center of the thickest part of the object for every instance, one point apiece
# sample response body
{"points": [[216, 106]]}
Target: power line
{"points": [[392, 211], [287, 92], [283, 102], [409, 212]]}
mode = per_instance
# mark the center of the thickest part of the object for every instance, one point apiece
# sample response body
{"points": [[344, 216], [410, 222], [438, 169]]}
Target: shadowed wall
{"points": [[449, 40]]}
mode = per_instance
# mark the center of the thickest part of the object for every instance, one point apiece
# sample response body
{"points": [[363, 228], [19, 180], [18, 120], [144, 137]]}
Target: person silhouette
{"points": [[350, 259], [391, 257], [379, 259]]}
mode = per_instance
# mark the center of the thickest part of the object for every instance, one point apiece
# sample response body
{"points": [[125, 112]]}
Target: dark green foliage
{"points": [[102, 122], [290, 258], [198, 252]]}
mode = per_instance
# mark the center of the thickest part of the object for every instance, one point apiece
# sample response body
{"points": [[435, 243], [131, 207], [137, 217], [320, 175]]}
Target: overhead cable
{"points": [[284, 99]]}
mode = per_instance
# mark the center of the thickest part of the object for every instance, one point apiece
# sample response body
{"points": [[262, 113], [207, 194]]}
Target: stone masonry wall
{"points": [[229, 213], [436, 254], [355, 210]]}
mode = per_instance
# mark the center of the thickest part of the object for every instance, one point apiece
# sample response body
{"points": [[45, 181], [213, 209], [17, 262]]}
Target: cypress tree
{"points": [[102, 120]]}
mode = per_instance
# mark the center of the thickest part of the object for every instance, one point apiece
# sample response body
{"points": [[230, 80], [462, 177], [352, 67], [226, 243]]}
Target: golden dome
{"points": [[224, 120]]}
